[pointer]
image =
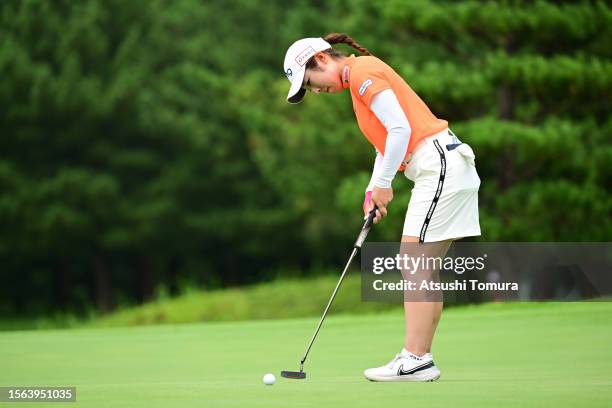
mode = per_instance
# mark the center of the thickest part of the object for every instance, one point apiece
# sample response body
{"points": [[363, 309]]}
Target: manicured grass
{"points": [[494, 355]]}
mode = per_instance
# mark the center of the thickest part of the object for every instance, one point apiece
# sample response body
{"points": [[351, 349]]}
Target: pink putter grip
{"points": [[367, 201]]}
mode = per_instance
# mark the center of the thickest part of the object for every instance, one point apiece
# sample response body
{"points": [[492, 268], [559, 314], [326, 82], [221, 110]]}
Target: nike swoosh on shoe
{"points": [[425, 366]]}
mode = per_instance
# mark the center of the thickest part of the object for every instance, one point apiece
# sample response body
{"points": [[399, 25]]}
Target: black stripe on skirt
{"points": [[434, 202]]}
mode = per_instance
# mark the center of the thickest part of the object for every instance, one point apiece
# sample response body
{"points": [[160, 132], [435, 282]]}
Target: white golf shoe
{"points": [[405, 367]]}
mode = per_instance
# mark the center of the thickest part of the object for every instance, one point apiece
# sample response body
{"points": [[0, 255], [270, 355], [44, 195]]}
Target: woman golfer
{"points": [[407, 136]]}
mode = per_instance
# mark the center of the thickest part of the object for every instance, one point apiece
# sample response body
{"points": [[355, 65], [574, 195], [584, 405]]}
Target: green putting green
{"points": [[494, 355]]}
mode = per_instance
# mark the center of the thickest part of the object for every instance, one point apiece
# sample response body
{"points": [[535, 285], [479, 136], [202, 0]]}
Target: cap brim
{"points": [[297, 98], [296, 92]]}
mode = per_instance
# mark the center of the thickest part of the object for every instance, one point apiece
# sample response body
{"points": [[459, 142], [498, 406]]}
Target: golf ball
{"points": [[269, 379]]}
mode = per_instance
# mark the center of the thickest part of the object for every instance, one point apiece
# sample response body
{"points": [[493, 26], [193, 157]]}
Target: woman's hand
{"points": [[381, 198]]}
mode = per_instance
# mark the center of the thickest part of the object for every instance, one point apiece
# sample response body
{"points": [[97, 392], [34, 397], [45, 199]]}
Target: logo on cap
{"points": [[289, 73], [304, 56]]}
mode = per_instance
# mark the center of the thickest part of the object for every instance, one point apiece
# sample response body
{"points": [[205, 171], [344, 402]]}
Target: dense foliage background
{"points": [[147, 145]]}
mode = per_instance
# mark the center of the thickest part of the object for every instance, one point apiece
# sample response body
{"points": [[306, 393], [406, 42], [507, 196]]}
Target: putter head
{"points": [[295, 375]]}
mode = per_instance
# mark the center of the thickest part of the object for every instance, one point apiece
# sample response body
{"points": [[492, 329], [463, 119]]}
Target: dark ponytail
{"points": [[337, 38], [341, 38]]}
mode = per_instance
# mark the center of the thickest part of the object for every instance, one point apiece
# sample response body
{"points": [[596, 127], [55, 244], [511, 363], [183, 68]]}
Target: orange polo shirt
{"points": [[368, 75]]}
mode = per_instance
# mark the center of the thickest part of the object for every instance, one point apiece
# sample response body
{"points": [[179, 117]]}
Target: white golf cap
{"points": [[295, 64]]}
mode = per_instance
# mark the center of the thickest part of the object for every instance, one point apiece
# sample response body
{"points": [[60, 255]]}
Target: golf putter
{"points": [[367, 225]]}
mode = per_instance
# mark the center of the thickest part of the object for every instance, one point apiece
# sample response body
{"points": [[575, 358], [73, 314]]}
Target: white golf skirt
{"points": [[444, 201]]}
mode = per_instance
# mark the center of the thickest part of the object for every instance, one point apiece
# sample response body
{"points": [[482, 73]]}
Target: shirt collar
{"points": [[346, 71]]}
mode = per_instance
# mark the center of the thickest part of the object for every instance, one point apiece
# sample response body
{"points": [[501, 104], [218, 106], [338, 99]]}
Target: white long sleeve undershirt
{"points": [[375, 171], [388, 110]]}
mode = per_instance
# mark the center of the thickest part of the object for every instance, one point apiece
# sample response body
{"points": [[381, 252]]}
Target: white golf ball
{"points": [[269, 379]]}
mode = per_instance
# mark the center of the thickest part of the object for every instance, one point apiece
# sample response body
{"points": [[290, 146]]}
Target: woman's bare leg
{"points": [[422, 317]]}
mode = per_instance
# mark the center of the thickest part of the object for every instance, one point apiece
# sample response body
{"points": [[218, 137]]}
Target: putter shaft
{"points": [[314, 335], [360, 239]]}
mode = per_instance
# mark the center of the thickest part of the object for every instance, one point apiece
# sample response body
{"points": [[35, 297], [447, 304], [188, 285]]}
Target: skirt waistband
{"points": [[445, 136]]}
